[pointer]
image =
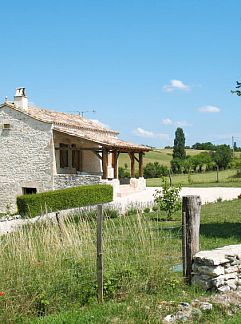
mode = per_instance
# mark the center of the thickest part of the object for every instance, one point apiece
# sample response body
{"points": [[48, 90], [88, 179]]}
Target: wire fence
{"points": [[75, 259]]}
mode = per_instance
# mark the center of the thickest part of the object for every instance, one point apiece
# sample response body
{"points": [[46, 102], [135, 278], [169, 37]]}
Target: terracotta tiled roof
{"points": [[78, 126], [101, 138]]}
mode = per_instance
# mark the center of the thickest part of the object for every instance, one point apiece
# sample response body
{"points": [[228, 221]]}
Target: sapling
{"points": [[168, 198]]}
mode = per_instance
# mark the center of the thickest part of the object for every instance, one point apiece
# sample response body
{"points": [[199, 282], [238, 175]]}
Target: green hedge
{"points": [[36, 204]]}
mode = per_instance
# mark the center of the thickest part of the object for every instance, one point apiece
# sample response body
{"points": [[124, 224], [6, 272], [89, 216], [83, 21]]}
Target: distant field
{"points": [[163, 156], [207, 179]]}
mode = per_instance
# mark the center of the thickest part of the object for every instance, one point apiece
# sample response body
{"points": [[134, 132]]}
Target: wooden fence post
{"points": [[191, 208], [100, 279]]}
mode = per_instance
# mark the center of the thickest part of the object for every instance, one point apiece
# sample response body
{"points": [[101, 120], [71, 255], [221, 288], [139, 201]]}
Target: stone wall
{"points": [[27, 156], [219, 269], [62, 181]]}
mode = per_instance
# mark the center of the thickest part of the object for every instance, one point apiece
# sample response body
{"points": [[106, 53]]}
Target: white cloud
{"points": [[176, 85], [209, 109], [100, 123], [181, 123], [167, 121], [149, 134]]}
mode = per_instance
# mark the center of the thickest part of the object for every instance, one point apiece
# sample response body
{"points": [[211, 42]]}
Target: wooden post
{"points": [[217, 173], [104, 162], [140, 164], [170, 177], [191, 207], [115, 163], [99, 250], [132, 156]]}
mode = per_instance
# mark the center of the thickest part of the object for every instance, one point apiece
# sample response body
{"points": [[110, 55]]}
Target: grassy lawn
{"points": [[48, 273], [206, 179]]}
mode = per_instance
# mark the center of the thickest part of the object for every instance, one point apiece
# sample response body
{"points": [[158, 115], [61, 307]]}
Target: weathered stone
{"points": [[232, 284], [183, 316], [62, 181], [184, 305], [224, 289], [213, 271], [206, 306], [217, 282], [231, 269], [202, 281], [169, 319]]}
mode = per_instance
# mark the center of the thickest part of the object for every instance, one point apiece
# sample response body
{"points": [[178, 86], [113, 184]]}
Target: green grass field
{"points": [[206, 179], [163, 156], [48, 274]]}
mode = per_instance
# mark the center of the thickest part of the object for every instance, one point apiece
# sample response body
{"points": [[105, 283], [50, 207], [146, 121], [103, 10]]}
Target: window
{"points": [[77, 159], [64, 155], [29, 191], [6, 126]]}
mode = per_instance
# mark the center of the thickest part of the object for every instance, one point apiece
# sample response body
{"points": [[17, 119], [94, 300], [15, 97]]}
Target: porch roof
{"points": [[110, 142]]}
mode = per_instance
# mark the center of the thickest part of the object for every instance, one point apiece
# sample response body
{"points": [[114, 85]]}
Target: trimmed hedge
{"points": [[36, 204]]}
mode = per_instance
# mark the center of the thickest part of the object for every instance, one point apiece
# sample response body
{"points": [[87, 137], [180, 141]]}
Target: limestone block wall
{"points": [[62, 181], [219, 269], [27, 156]]}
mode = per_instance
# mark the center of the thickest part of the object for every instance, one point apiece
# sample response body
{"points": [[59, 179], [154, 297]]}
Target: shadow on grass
{"points": [[224, 230]]}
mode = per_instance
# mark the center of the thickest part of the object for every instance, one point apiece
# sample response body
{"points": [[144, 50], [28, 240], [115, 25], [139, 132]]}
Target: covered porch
{"points": [[79, 160]]}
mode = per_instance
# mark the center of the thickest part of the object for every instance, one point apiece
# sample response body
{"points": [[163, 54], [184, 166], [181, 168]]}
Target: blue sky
{"points": [[145, 66]]}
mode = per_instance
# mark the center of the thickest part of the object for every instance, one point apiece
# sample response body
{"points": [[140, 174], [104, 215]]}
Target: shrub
{"points": [[168, 199], [33, 205], [155, 170], [123, 173]]}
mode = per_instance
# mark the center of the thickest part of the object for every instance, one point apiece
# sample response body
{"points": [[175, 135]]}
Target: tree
{"points": [[238, 86], [179, 145], [222, 156]]}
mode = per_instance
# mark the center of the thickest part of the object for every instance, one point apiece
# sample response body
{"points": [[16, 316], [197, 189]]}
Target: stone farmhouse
{"points": [[42, 150]]}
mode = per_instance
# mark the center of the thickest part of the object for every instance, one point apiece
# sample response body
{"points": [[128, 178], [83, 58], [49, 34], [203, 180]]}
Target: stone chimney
{"points": [[20, 99]]}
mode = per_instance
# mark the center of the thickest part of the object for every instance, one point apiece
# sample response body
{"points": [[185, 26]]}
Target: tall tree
{"points": [[179, 145]]}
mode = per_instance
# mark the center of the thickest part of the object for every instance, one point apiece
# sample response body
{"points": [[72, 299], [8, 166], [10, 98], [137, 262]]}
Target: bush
{"points": [[36, 204], [168, 199], [155, 170], [123, 173]]}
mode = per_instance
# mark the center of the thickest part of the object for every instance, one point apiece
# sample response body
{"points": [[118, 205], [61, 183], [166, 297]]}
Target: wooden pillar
{"points": [[104, 162], [132, 156], [141, 164], [115, 163], [191, 207]]}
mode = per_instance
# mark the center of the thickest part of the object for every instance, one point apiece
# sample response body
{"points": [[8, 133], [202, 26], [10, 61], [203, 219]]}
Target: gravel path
{"points": [[144, 198], [207, 195]]}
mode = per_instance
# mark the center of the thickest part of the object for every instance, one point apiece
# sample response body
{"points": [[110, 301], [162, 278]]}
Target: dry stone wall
{"points": [[62, 181], [219, 269]]}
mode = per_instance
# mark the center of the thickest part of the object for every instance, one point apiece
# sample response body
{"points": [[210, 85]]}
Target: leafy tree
{"points": [[238, 86], [168, 199], [179, 145], [176, 165], [208, 146], [222, 156], [155, 170]]}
